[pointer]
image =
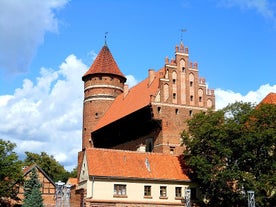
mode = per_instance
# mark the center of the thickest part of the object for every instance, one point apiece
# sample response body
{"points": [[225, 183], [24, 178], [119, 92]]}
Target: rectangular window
{"points": [[119, 190], [163, 191], [178, 192], [147, 190]]}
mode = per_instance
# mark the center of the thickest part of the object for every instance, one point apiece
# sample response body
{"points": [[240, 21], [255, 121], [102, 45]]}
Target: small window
{"points": [[119, 190], [178, 192], [190, 113], [191, 98], [172, 150], [191, 83], [159, 109], [174, 95], [147, 190], [176, 111], [200, 99], [174, 81], [183, 69], [96, 115], [163, 191]]}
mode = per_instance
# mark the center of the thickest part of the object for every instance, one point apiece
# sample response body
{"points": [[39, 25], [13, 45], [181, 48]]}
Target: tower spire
{"points": [[105, 36], [181, 34]]}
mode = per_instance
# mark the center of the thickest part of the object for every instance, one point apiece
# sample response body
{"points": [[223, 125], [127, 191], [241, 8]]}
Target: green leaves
{"points": [[10, 170], [233, 148]]}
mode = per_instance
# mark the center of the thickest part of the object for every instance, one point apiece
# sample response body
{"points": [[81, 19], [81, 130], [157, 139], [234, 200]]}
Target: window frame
{"points": [[120, 190], [147, 191], [163, 192]]}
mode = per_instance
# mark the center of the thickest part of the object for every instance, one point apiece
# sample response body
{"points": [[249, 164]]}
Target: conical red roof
{"points": [[270, 99], [104, 64]]}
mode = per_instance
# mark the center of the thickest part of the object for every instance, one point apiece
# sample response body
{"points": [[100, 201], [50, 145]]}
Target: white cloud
{"points": [[263, 7], [23, 26], [225, 97], [131, 81], [46, 115]]}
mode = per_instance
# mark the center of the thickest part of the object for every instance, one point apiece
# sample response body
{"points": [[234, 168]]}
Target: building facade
{"points": [[140, 126]]}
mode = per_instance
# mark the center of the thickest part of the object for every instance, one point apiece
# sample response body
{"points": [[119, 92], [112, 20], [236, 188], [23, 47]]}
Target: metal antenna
{"points": [[182, 31], [105, 37]]}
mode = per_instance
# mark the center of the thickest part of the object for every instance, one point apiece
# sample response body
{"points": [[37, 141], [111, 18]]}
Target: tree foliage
{"points": [[232, 150], [10, 170], [49, 165], [32, 193]]}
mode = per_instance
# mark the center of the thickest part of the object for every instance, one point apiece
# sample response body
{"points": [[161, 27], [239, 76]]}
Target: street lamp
{"points": [[59, 193], [251, 198], [67, 190], [188, 197]]}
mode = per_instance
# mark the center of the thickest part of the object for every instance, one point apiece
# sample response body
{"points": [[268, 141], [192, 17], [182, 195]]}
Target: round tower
{"points": [[103, 82]]}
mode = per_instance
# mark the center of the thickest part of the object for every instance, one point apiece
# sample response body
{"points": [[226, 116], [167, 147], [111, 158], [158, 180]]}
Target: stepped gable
{"points": [[131, 100], [131, 164], [269, 99], [104, 64]]}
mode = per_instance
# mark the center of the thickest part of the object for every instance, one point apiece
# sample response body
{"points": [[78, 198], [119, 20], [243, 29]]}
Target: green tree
{"points": [[10, 170], [233, 149], [49, 165], [32, 193]]}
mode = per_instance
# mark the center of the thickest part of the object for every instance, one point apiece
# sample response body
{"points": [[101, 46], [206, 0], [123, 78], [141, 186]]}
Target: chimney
{"points": [[151, 76], [126, 90]]}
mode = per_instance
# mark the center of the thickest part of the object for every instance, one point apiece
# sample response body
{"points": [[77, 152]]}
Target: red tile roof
{"points": [[136, 98], [131, 164], [72, 181], [270, 99], [104, 64]]}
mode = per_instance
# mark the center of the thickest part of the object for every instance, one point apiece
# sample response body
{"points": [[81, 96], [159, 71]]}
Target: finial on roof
{"points": [[105, 37], [182, 30]]}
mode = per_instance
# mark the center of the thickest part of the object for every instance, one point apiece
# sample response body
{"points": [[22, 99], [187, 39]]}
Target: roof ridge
{"points": [[131, 152]]}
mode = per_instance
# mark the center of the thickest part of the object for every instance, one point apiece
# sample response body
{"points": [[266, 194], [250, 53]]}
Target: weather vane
{"points": [[182, 31], [105, 37]]}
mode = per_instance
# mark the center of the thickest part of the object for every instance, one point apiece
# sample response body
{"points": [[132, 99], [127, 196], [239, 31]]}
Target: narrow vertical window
{"points": [[178, 192], [159, 110], [174, 95]]}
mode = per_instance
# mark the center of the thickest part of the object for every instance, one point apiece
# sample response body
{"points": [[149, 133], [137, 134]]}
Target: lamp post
{"points": [[67, 190], [59, 193], [187, 197], [62, 194], [251, 198]]}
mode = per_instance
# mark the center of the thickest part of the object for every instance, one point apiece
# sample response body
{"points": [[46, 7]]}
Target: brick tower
{"points": [[103, 82]]}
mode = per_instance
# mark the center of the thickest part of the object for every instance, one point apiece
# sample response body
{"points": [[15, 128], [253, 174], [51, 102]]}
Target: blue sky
{"points": [[46, 46]]}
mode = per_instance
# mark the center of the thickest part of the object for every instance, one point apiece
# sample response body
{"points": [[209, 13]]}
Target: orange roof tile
{"points": [[104, 64], [136, 98], [72, 181], [270, 99], [131, 164]]}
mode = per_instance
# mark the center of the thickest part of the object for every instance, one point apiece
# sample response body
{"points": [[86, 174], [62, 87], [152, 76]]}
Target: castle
{"points": [[131, 142]]}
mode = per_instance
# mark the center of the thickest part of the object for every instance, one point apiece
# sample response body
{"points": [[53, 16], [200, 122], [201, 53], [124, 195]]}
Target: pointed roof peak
{"points": [[104, 64]]}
